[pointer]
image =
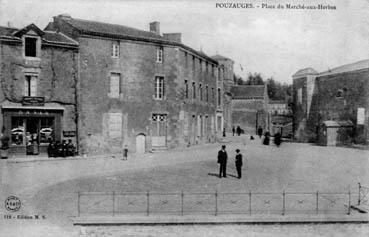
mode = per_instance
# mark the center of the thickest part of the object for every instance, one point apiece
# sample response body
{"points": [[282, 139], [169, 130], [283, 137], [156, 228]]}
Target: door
{"points": [[32, 135], [140, 143], [159, 130]]}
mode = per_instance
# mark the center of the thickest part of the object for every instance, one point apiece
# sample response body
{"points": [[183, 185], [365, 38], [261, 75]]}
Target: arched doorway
{"points": [[140, 143]]}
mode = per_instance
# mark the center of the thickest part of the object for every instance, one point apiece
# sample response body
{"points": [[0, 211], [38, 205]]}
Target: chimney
{"points": [[155, 27], [176, 37], [10, 24]]}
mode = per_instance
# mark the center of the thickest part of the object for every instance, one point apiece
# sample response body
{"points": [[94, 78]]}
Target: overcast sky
{"points": [[275, 43]]}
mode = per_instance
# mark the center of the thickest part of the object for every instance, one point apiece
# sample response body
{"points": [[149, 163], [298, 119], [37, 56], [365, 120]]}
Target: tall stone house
{"points": [[337, 98], [224, 85], [38, 77], [140, 89]]}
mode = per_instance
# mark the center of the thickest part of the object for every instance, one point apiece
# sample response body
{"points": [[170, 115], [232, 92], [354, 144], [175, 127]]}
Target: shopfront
{"points": [[31, 128]]}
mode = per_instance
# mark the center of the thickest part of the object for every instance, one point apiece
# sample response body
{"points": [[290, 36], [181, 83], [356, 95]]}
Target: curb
{"points": [[215, 220]]}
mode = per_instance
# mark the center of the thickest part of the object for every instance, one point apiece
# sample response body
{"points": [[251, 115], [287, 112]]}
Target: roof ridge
{"points": [[112, 24]]}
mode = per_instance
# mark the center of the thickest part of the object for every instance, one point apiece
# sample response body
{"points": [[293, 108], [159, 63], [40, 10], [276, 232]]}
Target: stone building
{"points": [[224, 85], [339, 96], [38, 77], [280, 117], [140, 89], [250, 107]]}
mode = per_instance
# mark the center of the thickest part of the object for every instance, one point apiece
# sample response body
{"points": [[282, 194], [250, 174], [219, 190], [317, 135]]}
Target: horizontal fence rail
{"points": [[211, 203]]}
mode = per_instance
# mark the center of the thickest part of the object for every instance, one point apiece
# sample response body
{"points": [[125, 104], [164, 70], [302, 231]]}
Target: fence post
{"points": [[250, 201], [148, 203], [358, 201], [317, 202], [284, 203], [349, 202], [113, 203], [216, 202], [182, 196], [78, 208]]}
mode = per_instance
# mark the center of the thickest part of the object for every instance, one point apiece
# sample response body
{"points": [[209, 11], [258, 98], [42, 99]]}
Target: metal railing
{"points": [[212, 203], [363, 195]]}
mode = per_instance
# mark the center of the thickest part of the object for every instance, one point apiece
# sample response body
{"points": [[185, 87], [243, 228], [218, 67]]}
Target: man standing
{"points": [[260, 132], [238, 162], [222, 160], [233, 130]]}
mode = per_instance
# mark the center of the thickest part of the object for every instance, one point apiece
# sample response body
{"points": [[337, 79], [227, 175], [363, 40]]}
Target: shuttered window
{"points": [[30, 86], [114, 85]]}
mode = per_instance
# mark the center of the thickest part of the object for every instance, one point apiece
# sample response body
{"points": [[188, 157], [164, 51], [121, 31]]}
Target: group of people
{"points": [[61, 149], [237, 130], [266, 140], [222, 161]]}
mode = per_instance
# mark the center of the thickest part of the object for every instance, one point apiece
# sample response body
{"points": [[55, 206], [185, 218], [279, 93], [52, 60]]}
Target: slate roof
{"points": [[7, 32], [247, 91], [101, 29], [57, 37], [363, 64], [47, 36]]}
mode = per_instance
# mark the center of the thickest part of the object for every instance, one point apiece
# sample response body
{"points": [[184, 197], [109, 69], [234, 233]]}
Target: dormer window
{"points": [[30, 46]]}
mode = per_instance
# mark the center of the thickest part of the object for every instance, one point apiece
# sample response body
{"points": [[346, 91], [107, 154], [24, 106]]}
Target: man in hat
{"points": [[238, 162], [222, 160]]}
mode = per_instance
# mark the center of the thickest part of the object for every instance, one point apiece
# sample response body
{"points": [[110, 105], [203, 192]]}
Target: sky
{"points": [[273, 42]]}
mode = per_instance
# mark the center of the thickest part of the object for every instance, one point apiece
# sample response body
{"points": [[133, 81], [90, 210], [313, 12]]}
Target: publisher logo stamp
{"points": [[13, 204]]}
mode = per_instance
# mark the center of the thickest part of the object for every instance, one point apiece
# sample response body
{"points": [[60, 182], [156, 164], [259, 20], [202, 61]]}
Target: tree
{"points": [[277, 90], [254, 79]]}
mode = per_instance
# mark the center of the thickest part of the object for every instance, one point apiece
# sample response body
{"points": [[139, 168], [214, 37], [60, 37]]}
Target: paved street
{"points": [[49, 187]]}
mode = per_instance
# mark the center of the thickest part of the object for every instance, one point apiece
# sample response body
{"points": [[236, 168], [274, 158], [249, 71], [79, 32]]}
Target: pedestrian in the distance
{"points": [[238, 163], [260, 132], [222, 160], [238, 130], [233, 130], [266, 138], [277, 139]]}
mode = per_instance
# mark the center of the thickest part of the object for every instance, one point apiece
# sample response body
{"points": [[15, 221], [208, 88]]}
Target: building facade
{"points": [[140, 89], [224, 85], [339, 96], [250, 108], [38, 77]]}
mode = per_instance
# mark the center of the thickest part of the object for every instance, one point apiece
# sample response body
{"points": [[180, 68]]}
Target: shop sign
{"points": [[69, 133], [33, 100]]}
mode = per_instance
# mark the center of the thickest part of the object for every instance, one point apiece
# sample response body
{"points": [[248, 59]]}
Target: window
{"points": [[193, 90], [299, 95], [30, 85], [46, 131], [207, 93], [18, 131], [213, 94], [186, 59], [114, 85], [115, 50], [186, 89], [200, 91], [30, 47], [159, 54], [115, 125], [207, 68], [159, 88], [219, 97]]}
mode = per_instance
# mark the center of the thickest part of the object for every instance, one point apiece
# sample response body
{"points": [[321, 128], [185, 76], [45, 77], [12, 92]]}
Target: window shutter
{"points": [[114, 85], [33, 86]]}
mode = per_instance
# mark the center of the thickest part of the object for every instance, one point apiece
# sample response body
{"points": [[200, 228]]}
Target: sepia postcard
{"points": [[184, 118]]}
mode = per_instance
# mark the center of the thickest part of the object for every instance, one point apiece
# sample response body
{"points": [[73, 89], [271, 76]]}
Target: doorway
{"points": [[140, 143]]}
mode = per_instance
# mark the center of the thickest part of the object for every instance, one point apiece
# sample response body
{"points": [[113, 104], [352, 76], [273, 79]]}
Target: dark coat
{"points": [[238, 160], [222, 157]]}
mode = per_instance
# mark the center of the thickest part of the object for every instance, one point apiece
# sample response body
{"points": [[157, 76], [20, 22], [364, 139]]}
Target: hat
{"points": [[223, 146], [237, 150]]}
